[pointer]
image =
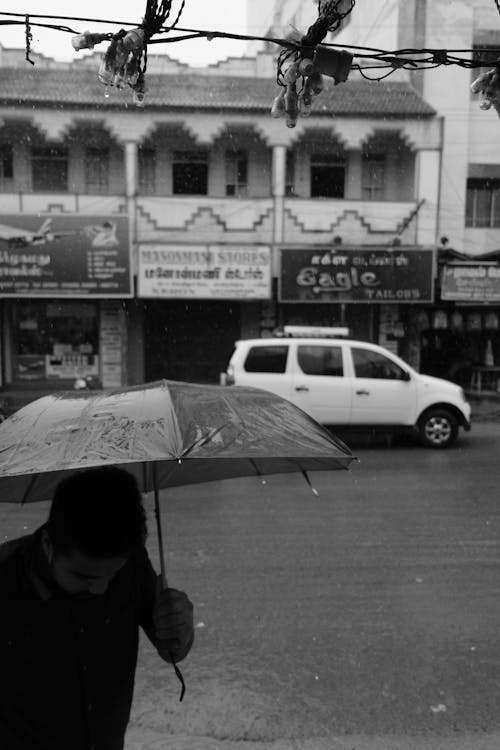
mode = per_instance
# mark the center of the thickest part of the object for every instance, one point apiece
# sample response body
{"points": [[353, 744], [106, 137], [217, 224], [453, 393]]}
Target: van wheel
{"points": [[437, 428]]}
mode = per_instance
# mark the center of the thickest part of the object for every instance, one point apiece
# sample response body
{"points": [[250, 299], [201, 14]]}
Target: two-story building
{"points": [[140, 243], [460, 332]]}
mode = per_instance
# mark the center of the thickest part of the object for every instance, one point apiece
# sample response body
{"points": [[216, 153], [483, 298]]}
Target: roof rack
{"points": [[325, 332]]}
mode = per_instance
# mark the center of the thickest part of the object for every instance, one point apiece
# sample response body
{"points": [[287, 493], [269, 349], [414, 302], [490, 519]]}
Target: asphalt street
{"points": [[369, 614], [365, 618]]}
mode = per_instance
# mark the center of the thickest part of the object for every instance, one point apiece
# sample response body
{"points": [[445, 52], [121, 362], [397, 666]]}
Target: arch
{"points": [[381, 138], [20, 130], [91, 132], [168, 129], [326, 138], [242, 130]]}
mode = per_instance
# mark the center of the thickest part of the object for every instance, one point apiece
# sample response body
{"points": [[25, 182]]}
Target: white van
{"points": [[350, 384]]}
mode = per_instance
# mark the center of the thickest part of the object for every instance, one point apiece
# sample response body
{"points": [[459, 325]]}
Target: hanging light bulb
{"points": [[134, 40], [107, 68], [306, 67], [87, 40], [112, 65], [291, 105], [306, 97], [305, 102], [292, 73], [132, 68], [140, 90], [278, 106], [315, 82], [121, 57]]}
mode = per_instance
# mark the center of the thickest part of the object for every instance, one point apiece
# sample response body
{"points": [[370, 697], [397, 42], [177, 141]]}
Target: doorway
{"points": [[190, 340]]}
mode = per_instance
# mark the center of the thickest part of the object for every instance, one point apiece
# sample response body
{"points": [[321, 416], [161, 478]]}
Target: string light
{"points": [[309, 59], [488, 85], [315, 57]]}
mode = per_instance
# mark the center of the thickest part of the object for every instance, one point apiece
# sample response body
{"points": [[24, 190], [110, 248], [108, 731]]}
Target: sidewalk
{"points": [[485, 406]]}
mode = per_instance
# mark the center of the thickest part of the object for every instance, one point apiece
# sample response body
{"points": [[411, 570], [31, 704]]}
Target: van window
{"points": [[368, 364], [266, 359], [321, 360]]}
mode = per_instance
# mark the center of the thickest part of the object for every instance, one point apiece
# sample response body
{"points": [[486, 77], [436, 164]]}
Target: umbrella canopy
{"points": [[166, 433]]}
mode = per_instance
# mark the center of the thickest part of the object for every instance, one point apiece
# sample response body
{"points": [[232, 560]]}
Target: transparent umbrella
{"points": [[166, 433]]}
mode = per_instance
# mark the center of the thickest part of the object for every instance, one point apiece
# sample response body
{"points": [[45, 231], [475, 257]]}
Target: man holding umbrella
{"points": [[73, 596]]}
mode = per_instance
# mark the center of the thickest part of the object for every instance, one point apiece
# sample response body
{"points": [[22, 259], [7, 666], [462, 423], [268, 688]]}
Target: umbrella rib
{"points": [[206, 439], [29, 428], [29, 488]]}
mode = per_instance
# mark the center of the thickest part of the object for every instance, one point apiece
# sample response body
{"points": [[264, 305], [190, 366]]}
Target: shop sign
{"points": [[112, 332], [357, 275], [64, 256], [471, 283], [234, 272]]}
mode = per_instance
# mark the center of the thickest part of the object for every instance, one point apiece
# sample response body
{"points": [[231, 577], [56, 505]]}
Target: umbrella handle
{"points": [[163, 569]]}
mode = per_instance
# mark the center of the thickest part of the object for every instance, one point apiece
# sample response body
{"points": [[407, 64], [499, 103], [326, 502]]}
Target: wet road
{"points": [[366, 618], [371, 611]]}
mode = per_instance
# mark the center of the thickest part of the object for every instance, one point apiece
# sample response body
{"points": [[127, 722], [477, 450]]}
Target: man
{"points": [[72, 598]]}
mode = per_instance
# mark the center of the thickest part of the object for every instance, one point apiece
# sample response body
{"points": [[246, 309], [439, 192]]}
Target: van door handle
{"points": [[362, 393], [302, 388]]}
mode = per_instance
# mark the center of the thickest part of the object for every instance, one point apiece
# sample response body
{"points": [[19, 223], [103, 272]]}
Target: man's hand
{"points": [[173, 623]]}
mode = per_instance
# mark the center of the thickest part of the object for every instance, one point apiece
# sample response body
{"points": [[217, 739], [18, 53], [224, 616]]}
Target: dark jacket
{"points": [[67, 665]]}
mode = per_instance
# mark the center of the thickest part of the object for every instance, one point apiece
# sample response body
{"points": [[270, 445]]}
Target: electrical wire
{"points": [[159, 11]]}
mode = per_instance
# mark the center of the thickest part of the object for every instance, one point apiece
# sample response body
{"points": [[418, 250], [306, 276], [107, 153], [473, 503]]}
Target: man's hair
{"points": [[98, 512]]}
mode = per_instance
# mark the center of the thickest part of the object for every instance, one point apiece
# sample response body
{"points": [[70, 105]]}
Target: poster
{"points": [[64, 256]]}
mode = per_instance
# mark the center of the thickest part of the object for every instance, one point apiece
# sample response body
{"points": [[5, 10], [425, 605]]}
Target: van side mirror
{"points": [[405, 376]]}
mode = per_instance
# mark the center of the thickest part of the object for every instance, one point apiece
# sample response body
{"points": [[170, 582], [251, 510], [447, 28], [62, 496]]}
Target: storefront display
{"points": [[54, 340], [464, 348]]}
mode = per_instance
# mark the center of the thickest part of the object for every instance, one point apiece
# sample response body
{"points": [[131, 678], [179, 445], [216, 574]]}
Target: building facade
{"points": [[459, 336], [140, 243]]}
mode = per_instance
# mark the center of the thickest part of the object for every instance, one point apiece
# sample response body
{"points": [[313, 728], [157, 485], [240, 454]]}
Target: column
{"points": [[278, 190], [427, 176], [134, 357], [131, 193]]}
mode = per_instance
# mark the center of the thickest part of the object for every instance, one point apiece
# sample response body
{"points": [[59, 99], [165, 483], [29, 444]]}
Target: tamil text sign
{"points": [[471, 283], [64, 255], [357, 275], [205, 271]]}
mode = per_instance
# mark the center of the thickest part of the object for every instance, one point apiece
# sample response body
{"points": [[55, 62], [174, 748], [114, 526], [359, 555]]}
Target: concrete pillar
{"points": [[278, 189], [131, 181], [133, 308], [450, 25], [428, 164]]}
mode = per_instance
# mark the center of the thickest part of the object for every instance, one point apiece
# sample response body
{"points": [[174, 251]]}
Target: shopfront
{"points": [[63, 288], [460, 335], [198, 300], [371, 290]]}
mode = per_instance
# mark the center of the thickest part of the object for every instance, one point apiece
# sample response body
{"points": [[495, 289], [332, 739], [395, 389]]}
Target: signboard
{"points": [[357, 275], [112, 336], [64, 256], [235, 272], [471, 283]]}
